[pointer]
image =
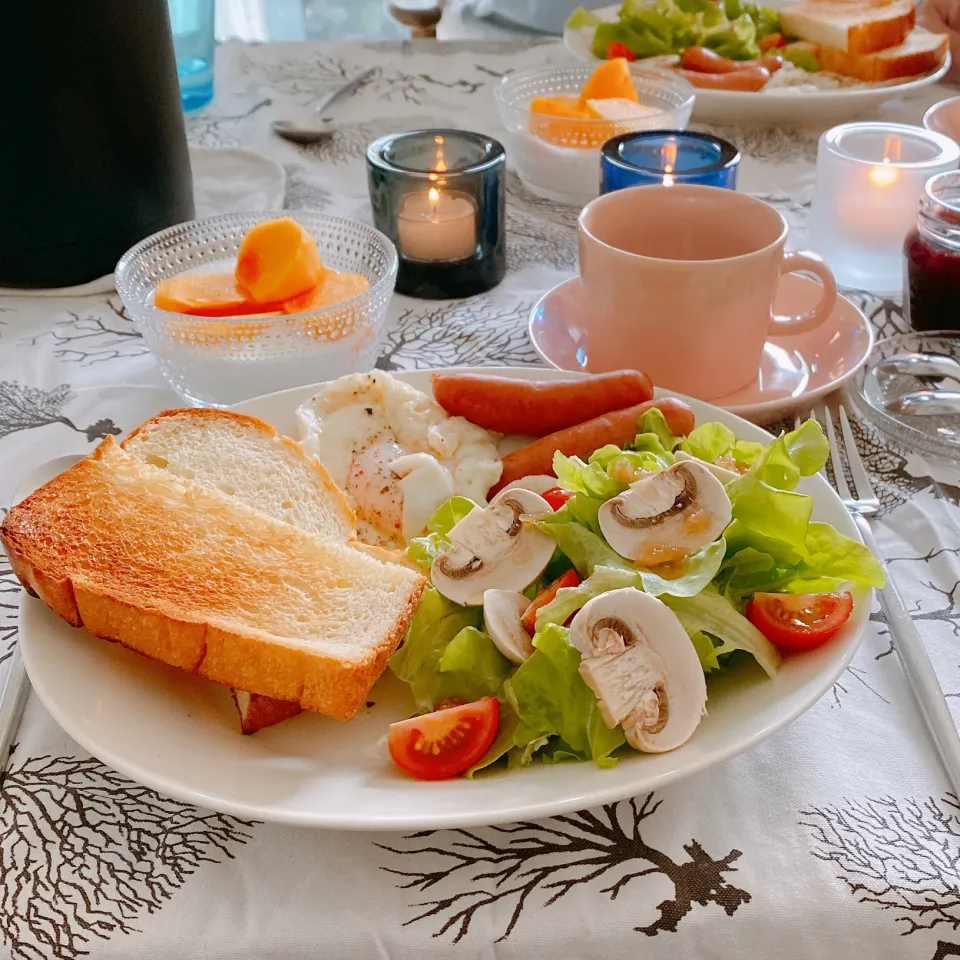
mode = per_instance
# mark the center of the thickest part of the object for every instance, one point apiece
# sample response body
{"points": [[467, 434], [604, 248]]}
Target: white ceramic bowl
{"points": [[217, 362], [566, 168]]}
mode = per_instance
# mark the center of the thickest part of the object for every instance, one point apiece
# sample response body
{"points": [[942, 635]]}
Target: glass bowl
{"points": [[219, 362], [876, 387], [563, 162]]}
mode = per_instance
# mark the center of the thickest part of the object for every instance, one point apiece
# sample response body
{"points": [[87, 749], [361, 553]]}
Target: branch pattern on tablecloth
{"points": [[305, 189], [901, 855], [350, 140], [23, 407], [217, 130], [479, 331], [476, 871], [94, 337], [84, 852]]}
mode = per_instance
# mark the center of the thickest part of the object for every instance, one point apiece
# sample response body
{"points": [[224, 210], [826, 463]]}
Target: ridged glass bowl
{"points": [[218, 362], [559, 158]]}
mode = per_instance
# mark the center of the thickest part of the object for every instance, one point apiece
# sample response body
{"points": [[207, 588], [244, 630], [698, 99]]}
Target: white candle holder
{"points": [[870, 178]]}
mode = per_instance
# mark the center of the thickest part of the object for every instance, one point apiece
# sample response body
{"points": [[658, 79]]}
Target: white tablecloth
{"points": [[837, 838]]}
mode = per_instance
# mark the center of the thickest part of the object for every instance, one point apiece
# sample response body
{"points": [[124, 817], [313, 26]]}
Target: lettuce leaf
{"points": [[424, 550], [436, 623], [711, 441], [472, 667], [582, 18], [710, 613], [551, 699], [585, 549], [652, 428]]}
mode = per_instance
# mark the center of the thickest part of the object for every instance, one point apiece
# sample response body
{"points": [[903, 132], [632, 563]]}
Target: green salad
{"points": [[549, 707], [655, 28]]}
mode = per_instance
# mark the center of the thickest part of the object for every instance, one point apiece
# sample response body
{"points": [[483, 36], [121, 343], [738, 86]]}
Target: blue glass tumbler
{"points": [[668, 157], [193, 42]]}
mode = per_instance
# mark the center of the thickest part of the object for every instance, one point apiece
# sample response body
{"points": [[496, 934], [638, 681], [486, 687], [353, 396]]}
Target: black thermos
{"points": [[93, 155]]}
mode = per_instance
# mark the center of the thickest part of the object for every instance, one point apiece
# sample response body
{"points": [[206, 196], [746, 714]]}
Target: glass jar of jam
{"points": [[932, 255]]}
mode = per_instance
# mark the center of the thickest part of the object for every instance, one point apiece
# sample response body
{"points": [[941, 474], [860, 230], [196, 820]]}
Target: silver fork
{"points": [[903, 631]]}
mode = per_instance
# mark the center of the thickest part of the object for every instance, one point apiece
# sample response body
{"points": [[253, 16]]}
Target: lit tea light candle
{"points": [[439, 196], [870, 177], [668, 157], [436, 226]]}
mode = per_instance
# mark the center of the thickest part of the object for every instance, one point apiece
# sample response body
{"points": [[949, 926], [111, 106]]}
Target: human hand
{"points": [[943, 16]]}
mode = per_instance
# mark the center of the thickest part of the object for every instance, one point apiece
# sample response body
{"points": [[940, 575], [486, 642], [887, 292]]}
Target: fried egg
{"points": [[396, 453]]}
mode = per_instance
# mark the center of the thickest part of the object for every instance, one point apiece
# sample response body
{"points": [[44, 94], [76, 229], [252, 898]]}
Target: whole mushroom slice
{"points": [[667, 515], [493, 549], [639, 661], [502, 610], [721, 473]]}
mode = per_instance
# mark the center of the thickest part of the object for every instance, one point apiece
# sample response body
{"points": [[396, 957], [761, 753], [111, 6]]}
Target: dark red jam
{"points": [[933, 284], [932, 258]]}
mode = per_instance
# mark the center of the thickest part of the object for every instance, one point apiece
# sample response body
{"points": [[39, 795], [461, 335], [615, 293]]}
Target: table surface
{"points": [[835, 838]]}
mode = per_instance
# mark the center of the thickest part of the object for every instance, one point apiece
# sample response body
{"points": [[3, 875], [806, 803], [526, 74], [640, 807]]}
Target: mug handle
{"points": [[803, 322]]}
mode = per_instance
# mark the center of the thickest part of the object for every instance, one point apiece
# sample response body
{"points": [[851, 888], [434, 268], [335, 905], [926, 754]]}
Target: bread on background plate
{"points": [[852, 26], [920, 53], [197, 579]]}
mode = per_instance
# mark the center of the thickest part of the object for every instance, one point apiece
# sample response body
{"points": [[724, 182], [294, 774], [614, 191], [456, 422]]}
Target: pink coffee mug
{"points": [[680, 281]]}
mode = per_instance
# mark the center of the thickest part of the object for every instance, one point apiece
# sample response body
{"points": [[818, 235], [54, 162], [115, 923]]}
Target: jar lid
{"points": [[941, 197]]}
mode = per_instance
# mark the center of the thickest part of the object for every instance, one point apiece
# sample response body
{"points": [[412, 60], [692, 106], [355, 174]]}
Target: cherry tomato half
{"points": [[772, 42], [799, 621], [556, 497], [617, 49], [529, 618], [444, 743]]}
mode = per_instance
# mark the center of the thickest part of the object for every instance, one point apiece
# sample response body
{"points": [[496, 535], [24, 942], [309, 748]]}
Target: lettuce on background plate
{"points": [[424, 550]]}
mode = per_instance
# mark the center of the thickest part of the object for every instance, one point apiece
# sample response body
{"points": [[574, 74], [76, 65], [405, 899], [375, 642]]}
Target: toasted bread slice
{"points": [[921, 53], [257, 711], [246, 458], [854, 26], [194, 578]]}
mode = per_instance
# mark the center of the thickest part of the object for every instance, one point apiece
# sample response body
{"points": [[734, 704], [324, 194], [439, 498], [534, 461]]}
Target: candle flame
{"points": [[668, 160], [885, 175], [434, 194]]}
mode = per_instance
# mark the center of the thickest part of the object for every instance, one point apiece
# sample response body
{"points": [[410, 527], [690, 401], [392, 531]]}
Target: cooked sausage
{"points": [[747, 79], [533, 408], [619, 427], [704, 60]]}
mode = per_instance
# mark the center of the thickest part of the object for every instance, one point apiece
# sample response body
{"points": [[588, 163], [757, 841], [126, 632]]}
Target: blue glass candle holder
{"points": [[439, 196], [667, 157]]}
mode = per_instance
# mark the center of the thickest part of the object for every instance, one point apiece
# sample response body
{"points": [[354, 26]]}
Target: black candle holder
{"points": [[439, 196]]}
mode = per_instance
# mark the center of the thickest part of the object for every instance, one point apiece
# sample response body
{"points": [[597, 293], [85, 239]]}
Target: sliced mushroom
{"points": [[502, 610], [494, 549], [721, 473], [639, 661], [537, 482], [668, 515]]}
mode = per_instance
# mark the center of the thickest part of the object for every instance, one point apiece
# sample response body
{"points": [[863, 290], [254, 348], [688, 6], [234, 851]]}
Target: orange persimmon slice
{"points": [[337, 288], [205, 295], [610, 79], [278, 259]]}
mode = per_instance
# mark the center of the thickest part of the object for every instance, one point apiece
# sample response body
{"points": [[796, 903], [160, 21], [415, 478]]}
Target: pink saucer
{"points": [[793, 372]]}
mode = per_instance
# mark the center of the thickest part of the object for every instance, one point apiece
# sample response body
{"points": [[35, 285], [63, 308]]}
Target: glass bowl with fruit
{"points": [[243, 304], [558, 118]]}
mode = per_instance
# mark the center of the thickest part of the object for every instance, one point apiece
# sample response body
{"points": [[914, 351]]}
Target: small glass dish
{"points": [[875, 388], [566, 167], [219, 362]]}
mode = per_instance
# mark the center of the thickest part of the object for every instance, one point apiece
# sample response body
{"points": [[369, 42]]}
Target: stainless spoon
{"points": [[921, 365], [926, 403], [298, 132]]}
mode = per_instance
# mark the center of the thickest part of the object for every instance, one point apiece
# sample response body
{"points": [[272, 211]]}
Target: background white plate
{"points": [[177, 733], [825, 107]]}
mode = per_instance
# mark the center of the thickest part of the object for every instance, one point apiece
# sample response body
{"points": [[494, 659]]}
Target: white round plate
{"points": [[232, 180], [822, 107], [177, 733]]}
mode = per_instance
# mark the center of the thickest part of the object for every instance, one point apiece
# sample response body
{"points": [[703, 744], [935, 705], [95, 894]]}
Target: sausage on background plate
{"points": [[619, 427], [748, 79], [532, 408]]}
